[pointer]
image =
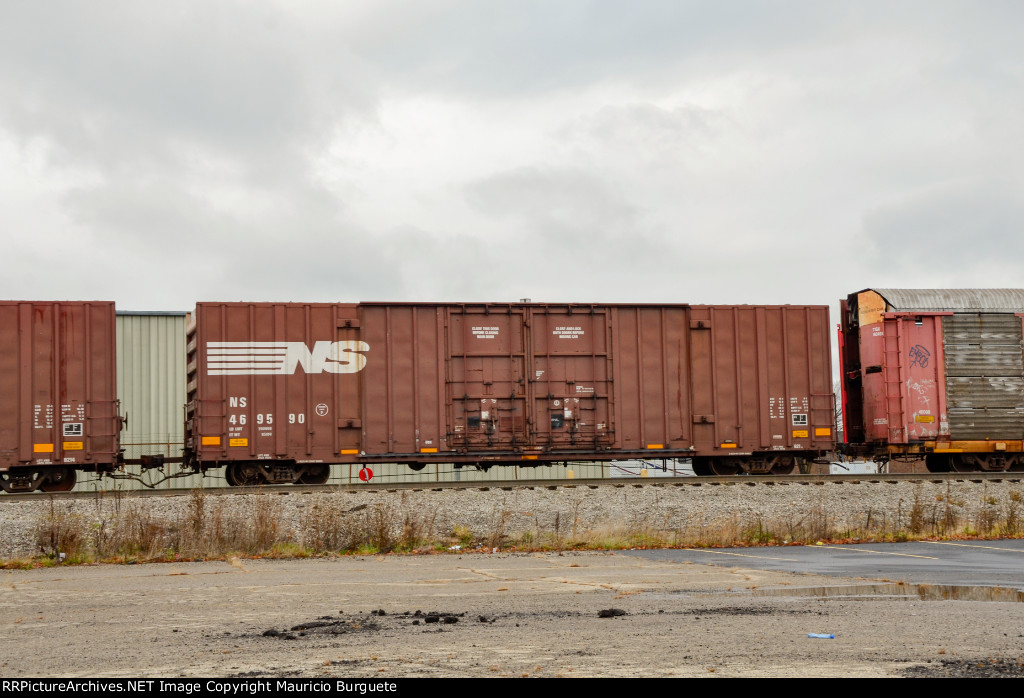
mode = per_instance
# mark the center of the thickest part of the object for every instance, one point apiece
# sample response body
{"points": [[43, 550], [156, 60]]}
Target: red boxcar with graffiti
{"points": [[938, 373]]}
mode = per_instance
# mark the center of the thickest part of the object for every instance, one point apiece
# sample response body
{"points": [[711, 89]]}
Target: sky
{"points": [[160, 154]]}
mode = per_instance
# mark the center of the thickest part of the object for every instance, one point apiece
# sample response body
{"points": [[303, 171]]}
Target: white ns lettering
{"points": [[330, 357], [276, 358]]}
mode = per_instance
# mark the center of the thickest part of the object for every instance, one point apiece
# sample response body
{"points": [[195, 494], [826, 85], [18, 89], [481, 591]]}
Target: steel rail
{"points": [[508, 485]]}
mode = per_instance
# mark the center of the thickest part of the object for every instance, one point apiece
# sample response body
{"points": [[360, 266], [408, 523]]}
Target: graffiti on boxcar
{"points": [[919, 356], [924, 388]]}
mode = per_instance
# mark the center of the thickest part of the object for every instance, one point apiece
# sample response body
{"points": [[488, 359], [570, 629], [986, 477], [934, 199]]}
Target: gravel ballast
{"points": [[674, 512]]}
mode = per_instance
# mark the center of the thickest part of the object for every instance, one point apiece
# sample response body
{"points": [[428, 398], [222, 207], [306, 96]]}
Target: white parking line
{"points": [[966, 545], [759, 557], [876, 552]]}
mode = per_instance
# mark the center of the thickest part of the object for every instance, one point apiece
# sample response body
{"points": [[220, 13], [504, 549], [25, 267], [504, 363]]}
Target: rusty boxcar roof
{"points": [[988, 300]]}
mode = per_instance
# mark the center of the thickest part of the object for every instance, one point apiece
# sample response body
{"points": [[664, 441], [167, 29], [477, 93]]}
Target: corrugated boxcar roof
{"points": [[987, 300]]}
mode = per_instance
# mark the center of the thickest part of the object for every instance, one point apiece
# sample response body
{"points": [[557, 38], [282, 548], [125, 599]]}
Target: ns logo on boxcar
{"points": [[284, 358]]}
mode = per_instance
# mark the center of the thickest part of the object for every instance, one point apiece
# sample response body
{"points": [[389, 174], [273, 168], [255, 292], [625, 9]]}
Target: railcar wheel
{"points": [[962, 464], [725, 466], [243, 475], [60, 480], [936, 463], [986, 463], [784, 466], [315, 475], [416, 466], [701, 466], [996, 462]]}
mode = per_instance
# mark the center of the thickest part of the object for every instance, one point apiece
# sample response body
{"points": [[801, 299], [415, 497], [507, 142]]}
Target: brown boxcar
{"points": [[58, 393], [279, 391], [935, 372]]}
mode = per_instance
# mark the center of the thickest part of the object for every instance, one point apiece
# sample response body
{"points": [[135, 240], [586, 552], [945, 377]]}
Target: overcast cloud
{"points": [[701, 152]]}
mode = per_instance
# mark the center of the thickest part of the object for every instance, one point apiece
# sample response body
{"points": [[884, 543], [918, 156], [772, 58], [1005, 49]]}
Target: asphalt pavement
{"points": [[962, 563]]}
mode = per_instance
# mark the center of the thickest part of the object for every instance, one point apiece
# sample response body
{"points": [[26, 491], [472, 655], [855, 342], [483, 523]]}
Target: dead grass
{"points": [[62, 531], [130, 531], [115, 528], [325, 528]]}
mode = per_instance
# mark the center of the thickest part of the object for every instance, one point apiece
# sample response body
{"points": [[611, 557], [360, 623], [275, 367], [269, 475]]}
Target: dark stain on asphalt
{"points": [[272, 671], [742, 611], [968, 669], [376, 620]]}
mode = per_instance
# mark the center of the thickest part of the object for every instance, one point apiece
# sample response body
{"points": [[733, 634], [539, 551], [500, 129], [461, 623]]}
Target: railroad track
{"points": [[728, 481]]}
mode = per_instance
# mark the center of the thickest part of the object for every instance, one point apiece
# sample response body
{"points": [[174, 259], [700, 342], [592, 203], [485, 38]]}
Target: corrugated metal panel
{"points": [[151, 388], [985, 375], [989, 300], [983, 328], [990, 423], [968, 360], [985, 391]]}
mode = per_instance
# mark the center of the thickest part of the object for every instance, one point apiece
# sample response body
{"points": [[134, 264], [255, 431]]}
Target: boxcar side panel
{"points": [[569, 377], [761, 379], [486, 385], [58, 384], [651, 376], [506, 382], [272, 380], [401, 409]]}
